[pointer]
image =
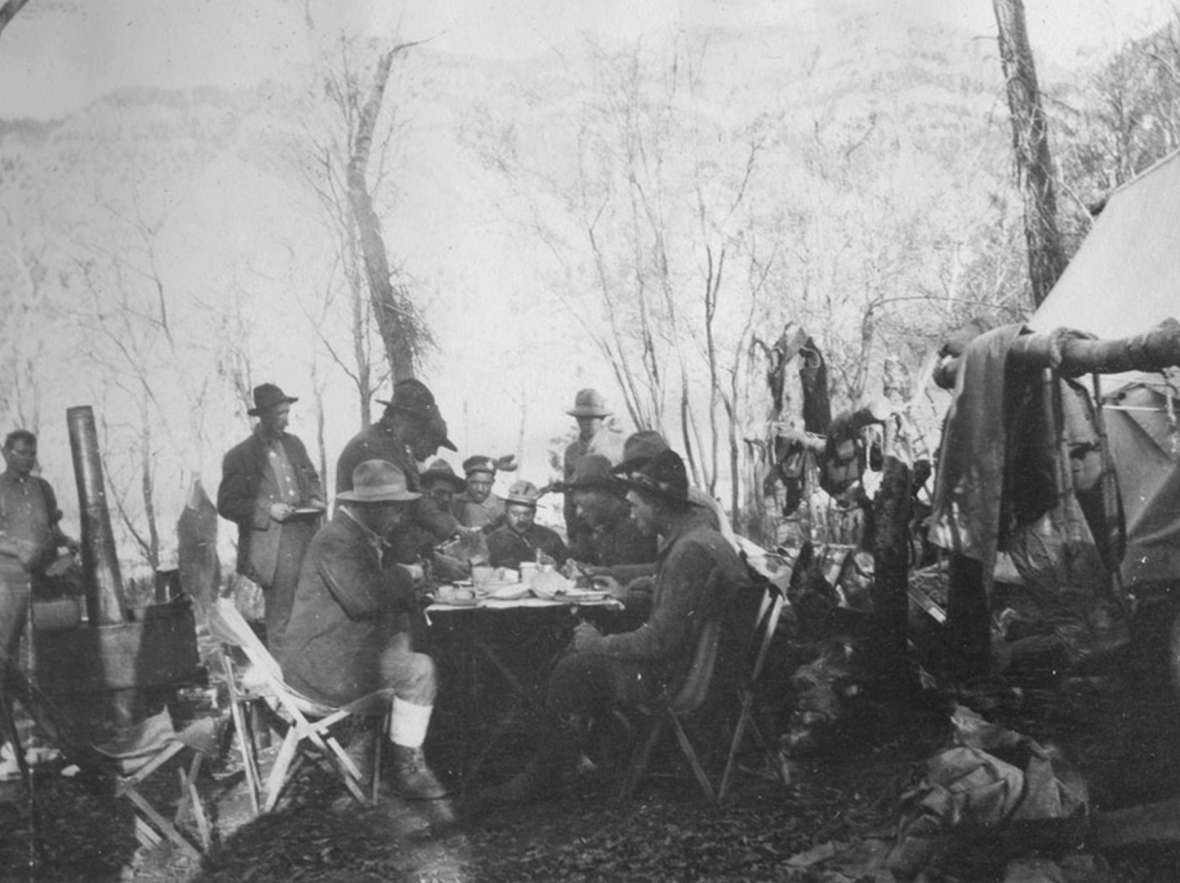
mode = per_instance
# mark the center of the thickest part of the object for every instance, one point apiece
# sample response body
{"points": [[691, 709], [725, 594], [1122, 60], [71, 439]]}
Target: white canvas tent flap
{"points": [[1123, 281]]}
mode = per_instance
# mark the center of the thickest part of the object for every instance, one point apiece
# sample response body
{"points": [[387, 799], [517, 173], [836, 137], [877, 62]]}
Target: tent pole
{"points": [[1116, 539]]}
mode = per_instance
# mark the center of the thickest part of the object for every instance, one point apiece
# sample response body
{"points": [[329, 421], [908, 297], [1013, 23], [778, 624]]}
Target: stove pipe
{"points": [[100, 565]]}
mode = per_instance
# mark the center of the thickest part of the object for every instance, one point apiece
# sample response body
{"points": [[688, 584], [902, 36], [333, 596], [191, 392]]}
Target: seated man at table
{"points": [[697, 576], [640, 447], [477, 506], [520, 538], [342, 641], [440, 484], [614, 537]]}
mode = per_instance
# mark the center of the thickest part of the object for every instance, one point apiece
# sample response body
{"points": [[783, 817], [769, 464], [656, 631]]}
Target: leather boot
{"points": [[412, 778]]}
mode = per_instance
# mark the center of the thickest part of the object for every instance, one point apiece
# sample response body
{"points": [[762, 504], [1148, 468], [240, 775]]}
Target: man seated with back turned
{"points": [[520, 538], [614, 537], [630, 575], [697, 576], [343, 639]]}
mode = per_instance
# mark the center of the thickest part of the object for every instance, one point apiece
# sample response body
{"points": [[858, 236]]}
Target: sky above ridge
{"points": [[59, 55]]}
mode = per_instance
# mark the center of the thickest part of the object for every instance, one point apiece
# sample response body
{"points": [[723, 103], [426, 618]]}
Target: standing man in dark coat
{"points": [[410, 431], [344, 641], [271, 490]]}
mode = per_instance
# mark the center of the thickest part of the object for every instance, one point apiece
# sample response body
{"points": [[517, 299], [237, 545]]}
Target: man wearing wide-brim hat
{"points": [[271, 490], [594, 437], [520, 538], [342, 642], [697, 576], [640, 447], [439, 485], [614, 538], [410, 431]]}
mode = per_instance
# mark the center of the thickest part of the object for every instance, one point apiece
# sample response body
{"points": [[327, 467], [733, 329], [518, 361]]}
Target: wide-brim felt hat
{"points": [[438, 426], [662, 476], [411, 395], [523, 493], [589, 403], [593, 472], [378, 481], [267, 395], [440, 470], [638, 449]]}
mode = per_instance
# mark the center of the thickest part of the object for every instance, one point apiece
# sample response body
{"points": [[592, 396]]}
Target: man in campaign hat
{"points": [[520, 538], [614, 538], [343, 641], [593, 438], [440, 484], [410, 430], [640, 447], [697, 575], [476, 506], [271, 490]]}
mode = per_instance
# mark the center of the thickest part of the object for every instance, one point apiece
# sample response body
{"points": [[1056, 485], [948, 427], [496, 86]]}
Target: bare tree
{"points": [[8, 12], [325, 171], [1030, 142], [401, 330]]}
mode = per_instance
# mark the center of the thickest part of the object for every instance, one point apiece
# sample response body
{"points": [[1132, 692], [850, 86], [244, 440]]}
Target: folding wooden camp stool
{"points": [[672, 712], [147, 816], [310, 724], [770, 611]]}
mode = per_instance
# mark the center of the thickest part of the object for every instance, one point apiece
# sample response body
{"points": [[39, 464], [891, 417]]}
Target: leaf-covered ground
{"points": [[1119, 725], [668, 833]]}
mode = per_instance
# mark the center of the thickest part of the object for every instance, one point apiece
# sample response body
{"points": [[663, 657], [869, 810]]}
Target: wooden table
{"points": [[485, 632]]}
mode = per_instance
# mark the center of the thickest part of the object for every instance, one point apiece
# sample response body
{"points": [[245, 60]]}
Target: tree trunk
{"points": [[396, 333], [891, 559], [8, 12], [1030, 142], [968, 618], [147, 486]]}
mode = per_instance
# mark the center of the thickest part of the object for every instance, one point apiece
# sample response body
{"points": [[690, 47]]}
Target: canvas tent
{"points": [[1124, 280]]}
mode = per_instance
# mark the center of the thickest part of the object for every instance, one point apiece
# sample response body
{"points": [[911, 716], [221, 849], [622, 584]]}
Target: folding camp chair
{"points": [[672, 711], [769, 612], [727, 662], [310, 724], [130, 761], [139, 754]]}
